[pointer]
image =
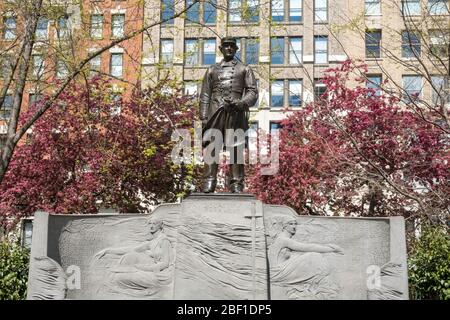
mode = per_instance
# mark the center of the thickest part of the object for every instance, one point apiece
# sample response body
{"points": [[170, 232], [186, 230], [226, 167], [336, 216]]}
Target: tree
{"points": [[358, 153], [429, 271], [91, 150], [409, 46], [19, 52], [14, 261]]}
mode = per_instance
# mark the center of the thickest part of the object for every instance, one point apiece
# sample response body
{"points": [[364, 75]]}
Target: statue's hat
{"points": [[228, 40]]}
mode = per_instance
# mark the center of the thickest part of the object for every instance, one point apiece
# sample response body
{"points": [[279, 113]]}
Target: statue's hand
{"points": [[228, 105], [239, 105], [100, 254], [336, 249]]}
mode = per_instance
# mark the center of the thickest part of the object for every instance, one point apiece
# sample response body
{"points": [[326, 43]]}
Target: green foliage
{"points": [[13, 271], [429, 265]]}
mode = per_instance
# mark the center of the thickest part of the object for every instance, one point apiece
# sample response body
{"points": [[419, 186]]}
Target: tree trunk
{"points": [[23, 66]]}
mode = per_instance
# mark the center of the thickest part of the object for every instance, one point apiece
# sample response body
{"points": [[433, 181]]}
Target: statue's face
{"points": [[228, 50], [154, 226], [291, 226]]}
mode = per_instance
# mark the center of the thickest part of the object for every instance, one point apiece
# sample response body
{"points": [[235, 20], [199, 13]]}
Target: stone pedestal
{"points": [[217, 246]]}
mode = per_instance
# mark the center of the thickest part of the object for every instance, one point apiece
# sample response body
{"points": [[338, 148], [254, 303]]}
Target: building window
{"points": [[116, 103], [96, 26], [277, 50], [411, 7], [320, 10], [209, 52], [248, 50], [439, 43], [191, 88], [372, 7], [320, 49], [373, 44], [117, 25], [251, 51], [295, 10], [278, 10], [246, 11], [410, 44], [61, 70], [412, 85], [193, 13], [191, 52], [10, 28], [277, 93], [201, 12], [319, 89], [42, 29], [62, 28], [440, 90], [166, 56], [38, 66], [275, 125], [95, 66], [437, 7], [295, 50], [209, 12], [116, 68], [200, 51], [167, 11], [374, 82], [5, 112], [295, 93], [282, 9]]}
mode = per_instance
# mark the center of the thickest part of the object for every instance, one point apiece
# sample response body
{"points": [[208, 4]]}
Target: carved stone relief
{"points": [[298, 270]]}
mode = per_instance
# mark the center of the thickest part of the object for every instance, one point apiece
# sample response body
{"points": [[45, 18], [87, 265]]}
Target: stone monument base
{"points": [[217, 246]]}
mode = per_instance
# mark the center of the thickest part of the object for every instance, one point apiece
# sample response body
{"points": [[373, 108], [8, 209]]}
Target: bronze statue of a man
{"points": [[228, 91]]}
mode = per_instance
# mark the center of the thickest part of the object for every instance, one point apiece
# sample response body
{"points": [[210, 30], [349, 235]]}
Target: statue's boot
{"points": [[210, 178], [237, 178]]}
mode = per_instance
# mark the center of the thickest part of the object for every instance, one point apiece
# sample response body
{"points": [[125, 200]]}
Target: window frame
{"points": [[291, 95], [408, 97], [5, 109], [111, 66], [41, 34], [170, 8], [93, 71], [238, 11], [369, 3], [444, 94], [162, 53], [317, 37], [38, 73], [8, 30], [299, 58], [121, 26], [326, 12], [444, 5], [373, 85], [369, 35], [99, 26], [406, 12], [283, 98], [410, 45], [281, 40]]}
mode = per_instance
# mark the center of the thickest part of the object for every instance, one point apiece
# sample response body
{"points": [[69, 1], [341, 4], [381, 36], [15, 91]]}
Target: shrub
{"points": [[429, 265], [13, 271]]}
